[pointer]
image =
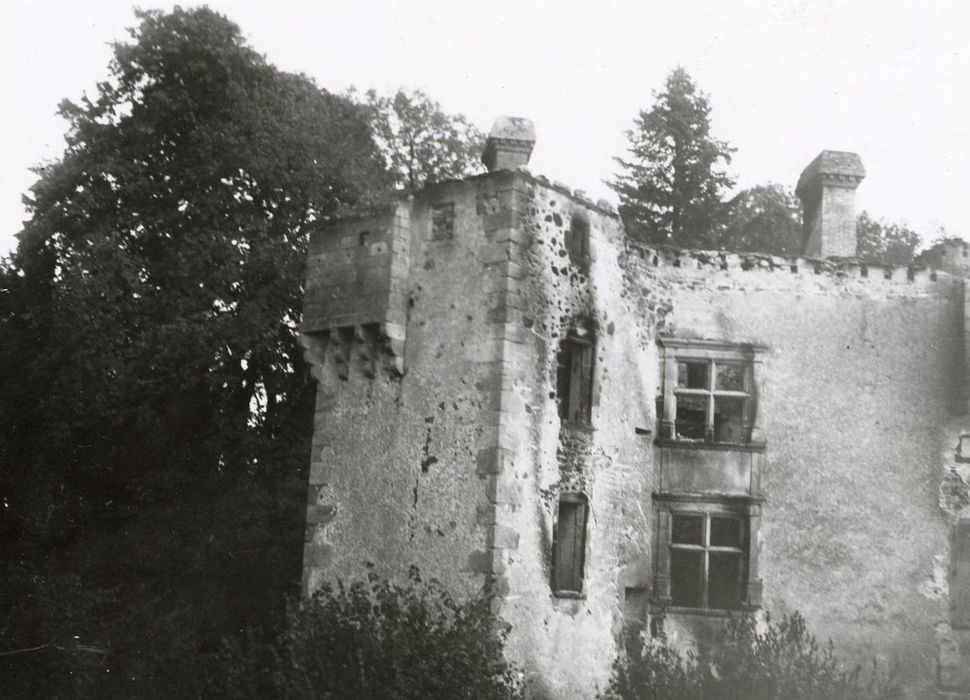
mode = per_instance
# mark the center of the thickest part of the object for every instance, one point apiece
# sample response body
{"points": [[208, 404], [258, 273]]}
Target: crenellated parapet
{"points": [[705, 262]]}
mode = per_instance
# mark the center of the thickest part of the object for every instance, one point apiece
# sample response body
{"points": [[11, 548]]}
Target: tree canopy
{"points": [[672, 182], [764, 218], [151, 376], [421, 143], [884, 242]]}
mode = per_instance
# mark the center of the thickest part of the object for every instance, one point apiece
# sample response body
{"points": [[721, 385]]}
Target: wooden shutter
{"points": [[574, 380], [575, 353], [586, 383], [960, 575], [570, 545], [563, 379]]}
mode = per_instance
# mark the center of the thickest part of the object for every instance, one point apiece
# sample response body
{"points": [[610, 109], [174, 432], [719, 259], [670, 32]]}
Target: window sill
{"points": [[720, 446], [569, 595], [576, 427], [707, 612]]}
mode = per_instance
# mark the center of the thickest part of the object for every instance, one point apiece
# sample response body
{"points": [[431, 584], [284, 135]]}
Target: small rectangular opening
{"points": [[574, 380], [577, 242], [569, 548], [693, 375], [443, 221]]}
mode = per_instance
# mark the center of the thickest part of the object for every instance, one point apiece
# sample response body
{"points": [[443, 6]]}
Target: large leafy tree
{"points": [[155, 405], [420, 142], [884, 242], [765, 219], [672, 181]]}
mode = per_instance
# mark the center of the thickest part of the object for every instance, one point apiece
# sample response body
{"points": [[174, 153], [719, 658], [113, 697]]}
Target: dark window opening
{"points": [[574, 379], [708, 557], [692, 375], [443, 221], [577, 242], [569, 545]]}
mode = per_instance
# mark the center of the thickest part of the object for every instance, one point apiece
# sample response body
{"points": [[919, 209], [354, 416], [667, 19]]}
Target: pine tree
{"points": [[671, 185]]}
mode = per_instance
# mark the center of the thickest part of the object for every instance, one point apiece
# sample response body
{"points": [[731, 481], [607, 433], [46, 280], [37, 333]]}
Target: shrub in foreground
{"points": [[374, 639], [781, 661]]}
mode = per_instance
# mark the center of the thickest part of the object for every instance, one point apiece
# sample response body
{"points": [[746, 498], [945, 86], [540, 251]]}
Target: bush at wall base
{"points": [[374, 639], [774, 661]]}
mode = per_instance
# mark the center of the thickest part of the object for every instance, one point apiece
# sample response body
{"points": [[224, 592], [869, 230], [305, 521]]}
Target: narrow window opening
{"points": [[443, 221], [577, 242], [574, 379], [569, 546]]}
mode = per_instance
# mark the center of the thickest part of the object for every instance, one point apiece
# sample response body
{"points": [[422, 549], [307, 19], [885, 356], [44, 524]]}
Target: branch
{"points": [[79, 647]]}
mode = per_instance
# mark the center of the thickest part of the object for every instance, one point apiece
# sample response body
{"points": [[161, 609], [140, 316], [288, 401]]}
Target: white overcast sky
{"points": [[889, 80]]}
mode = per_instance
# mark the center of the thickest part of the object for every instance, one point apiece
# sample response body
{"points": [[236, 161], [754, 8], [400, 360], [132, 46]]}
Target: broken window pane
{"points": [[730, 376], [728, 419], [691, 417], [724, 580], [687, 529], [725, 532], [693, 375], [686, 578]]}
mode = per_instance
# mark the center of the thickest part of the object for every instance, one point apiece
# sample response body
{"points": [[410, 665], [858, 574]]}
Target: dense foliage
{"points": [[672, 182], [155, 427], [375, 639], [421, 143], [154, 433], [763, 219], [781, 661], [887, 243]]}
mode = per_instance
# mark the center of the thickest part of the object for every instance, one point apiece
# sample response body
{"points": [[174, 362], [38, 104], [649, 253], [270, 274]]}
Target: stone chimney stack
{"points": [[827, 190], [509, 143]]}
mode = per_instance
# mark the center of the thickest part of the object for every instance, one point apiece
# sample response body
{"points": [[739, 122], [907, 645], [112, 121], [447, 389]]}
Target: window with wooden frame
{"points": [[709, 394], [574, 378], [706, 560], [569, 545]]}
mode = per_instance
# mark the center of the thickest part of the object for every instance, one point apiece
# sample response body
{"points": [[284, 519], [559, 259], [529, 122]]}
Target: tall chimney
{"points": [[827, 190], [509, 143]]}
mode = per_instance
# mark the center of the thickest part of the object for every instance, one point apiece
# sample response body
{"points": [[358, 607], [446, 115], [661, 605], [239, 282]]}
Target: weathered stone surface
{"points": [[458, 465]]}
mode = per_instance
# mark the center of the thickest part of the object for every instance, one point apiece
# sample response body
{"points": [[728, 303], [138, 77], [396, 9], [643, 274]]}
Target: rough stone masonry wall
{"points": [[855, 396], [568, 645], [405, 466], [457, 464]]}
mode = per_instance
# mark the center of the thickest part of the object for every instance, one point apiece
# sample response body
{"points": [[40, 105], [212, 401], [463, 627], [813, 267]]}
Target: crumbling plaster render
{"points": [[452, 456]]}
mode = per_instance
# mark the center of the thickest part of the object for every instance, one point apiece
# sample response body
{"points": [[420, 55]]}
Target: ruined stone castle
{"points": [[622, 438]]}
